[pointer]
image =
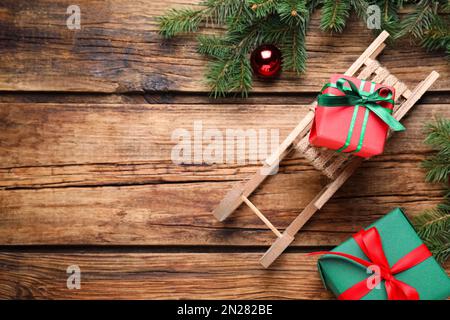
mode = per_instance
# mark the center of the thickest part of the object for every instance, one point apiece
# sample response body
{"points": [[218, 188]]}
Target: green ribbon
{"points": [[356, 98]]}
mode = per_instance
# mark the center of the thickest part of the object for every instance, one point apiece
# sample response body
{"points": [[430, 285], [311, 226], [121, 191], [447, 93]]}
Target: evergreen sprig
{"points": [[390, 20], [180, 21], [249, 23], [437, 37], [438, 166], [334, 15], [433, 225], [420, 20]]}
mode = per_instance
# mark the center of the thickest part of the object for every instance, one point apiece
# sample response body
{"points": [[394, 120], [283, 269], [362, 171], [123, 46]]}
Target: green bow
{"points": [[355, 98]]}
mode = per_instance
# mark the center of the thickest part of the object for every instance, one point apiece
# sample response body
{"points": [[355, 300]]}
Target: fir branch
{"points": [[313, 4], [187, 20], [243, 16], [180, 21], [294, 53], [232, 73], [263, 8], [437, 37], [439, 247], [334, 15], [439, 134], [417, 22], [433, 225], [434, 222], [244, 83], [389, 17], [438, 166], [293, 12], [216, 77], [360, 7], [219, 11], [214, 46]]}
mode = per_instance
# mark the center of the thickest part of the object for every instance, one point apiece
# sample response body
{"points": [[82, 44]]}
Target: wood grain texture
{"points": [[45, 145], [101, 174], [180, 98], [86, 177], [159, 276], [118, 49]]}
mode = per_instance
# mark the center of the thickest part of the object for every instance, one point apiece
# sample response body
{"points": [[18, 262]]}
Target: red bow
{"points": [[370, 243]]}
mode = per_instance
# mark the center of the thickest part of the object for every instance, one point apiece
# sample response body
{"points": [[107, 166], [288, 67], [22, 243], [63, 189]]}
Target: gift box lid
{"points": [[398, 238]]}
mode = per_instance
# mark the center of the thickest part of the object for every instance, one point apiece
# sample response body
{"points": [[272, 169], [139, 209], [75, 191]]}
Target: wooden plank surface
{"points": [[118, 49], [66, 136], [102, 174], [109, 275], [159, 276]]}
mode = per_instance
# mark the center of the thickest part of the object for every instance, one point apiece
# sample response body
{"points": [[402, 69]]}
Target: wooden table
{"points": [[86, 176]]}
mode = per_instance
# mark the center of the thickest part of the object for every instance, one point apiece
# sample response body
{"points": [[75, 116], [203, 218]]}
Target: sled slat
{"points": [[331, 170], [400, 89], [368, 53], [407, 94], [376, 53], [416, 94], [325, 156], [311, 154], [276, 249], [369, 69], [381, 73], [301, 129], [302, 145], [233, 198], [338, 182], [390, 80]]}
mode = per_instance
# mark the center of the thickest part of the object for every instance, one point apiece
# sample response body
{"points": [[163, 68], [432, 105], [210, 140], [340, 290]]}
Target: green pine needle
{"points": [[438, 166], [434, 222], [360, 7], [294, 51], [389, 16], [219, 11], [417, 22], [180, 21], [334, 15], [214, 46], [437, 37], [433, 225], [293, 12], [312, 5], [228, 75], [263, 8]]}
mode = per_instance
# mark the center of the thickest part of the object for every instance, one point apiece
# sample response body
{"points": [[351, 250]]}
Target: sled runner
{"points": [[338, 167]]}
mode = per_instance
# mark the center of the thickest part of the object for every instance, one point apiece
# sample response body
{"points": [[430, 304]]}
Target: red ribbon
{"points": [[370, 243]]}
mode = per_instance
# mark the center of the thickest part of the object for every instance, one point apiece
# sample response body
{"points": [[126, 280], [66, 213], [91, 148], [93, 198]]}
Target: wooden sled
{"points": [[338, 167]]}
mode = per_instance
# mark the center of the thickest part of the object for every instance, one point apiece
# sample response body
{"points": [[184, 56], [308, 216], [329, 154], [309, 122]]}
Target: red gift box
{"points": [[331, 126]]}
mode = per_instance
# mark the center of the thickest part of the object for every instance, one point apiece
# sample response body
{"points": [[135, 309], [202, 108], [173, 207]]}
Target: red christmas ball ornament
{"points": [[266, 61]]}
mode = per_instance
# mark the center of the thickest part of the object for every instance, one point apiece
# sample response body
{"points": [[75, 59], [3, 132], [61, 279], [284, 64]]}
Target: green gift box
{"points": [[341, 273]]}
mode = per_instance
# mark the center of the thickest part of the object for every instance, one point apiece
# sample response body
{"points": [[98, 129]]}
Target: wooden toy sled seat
{"points": [[338, 167]]}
